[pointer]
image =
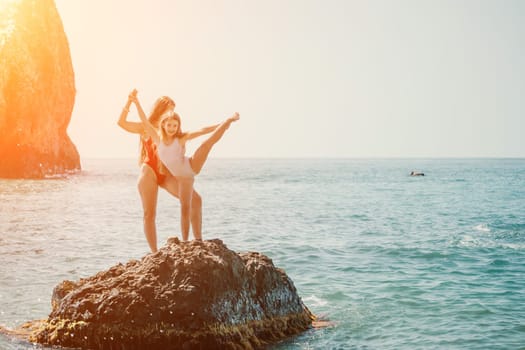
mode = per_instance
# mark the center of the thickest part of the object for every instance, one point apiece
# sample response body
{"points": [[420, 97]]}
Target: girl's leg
{"points": [[148, 189], [201, 154], [196, 215], [185, 196], [171, 185]]}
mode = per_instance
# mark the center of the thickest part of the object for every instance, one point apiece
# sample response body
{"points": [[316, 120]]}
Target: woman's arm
{"points": [[206, 130], [148, 127], [133, 127]]}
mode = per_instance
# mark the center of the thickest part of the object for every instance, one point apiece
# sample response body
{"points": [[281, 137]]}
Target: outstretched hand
{"points": [[132, 97]]}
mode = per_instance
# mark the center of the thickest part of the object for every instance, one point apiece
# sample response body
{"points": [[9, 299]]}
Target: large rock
{"points": [[188, 295], [37, 91]]}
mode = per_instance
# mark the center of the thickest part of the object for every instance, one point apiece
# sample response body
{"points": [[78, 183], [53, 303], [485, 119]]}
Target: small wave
{"points": [[482, 228], [314, 301], [468, 241], [499, 262], [64, 175], [512, 229], [56, 176]]}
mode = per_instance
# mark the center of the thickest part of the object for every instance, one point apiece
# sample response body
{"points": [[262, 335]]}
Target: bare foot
{"points": [[234, 117], [230, 120]]}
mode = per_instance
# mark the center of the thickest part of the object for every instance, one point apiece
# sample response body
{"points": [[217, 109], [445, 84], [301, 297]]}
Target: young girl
{"points": [[150, 177], [171, 143]]}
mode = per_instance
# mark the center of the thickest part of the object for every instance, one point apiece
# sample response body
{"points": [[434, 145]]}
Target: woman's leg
{"points": [[148, 189], [201, 154], [171, 185], [185, 196]]}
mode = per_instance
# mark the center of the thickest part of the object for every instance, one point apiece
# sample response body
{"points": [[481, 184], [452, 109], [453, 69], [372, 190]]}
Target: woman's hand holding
{"points": [[132, 97]]}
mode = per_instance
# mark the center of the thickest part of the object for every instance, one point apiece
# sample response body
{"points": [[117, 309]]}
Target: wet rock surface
{"points": [[188, 295]]}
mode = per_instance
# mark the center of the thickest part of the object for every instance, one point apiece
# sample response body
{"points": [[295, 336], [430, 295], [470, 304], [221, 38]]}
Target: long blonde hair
{"points": [[161, 105]]}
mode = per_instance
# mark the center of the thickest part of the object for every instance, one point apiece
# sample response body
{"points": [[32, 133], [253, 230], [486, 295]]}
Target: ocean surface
{"points": [[395, 262]]}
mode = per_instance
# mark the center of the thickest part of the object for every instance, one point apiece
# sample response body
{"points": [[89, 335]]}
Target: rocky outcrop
{"points": [[37, 91], [188, 295]]}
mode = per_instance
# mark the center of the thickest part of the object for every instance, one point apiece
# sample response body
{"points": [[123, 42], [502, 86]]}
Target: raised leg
{"points": [[201, 154]]}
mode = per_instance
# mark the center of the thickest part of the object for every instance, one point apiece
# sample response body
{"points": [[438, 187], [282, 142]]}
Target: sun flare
{"points": [[6, 9], [6, 3]]}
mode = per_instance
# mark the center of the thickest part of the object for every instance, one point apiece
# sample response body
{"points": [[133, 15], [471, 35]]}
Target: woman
{"points": [[171, 144], [151, 176]]}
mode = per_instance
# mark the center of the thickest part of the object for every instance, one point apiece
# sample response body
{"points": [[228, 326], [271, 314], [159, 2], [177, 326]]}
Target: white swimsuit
{"points": [[172, 156]]}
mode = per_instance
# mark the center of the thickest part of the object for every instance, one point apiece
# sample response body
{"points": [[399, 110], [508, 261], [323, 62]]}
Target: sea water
{"points": [[393, 261]]}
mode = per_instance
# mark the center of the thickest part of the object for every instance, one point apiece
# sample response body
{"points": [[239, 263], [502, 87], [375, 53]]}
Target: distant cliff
{"points": [[37, 91], [188, 295]]}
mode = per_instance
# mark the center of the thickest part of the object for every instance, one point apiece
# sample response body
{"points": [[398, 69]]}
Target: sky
{"points": [[310, 78]]}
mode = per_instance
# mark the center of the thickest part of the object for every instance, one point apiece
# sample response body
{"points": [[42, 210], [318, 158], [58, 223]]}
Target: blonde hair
{"points": [[165, 117], [161, 105]]}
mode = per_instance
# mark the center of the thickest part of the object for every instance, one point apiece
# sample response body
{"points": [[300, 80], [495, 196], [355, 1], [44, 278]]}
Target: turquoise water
{"points": [[396, 262]]}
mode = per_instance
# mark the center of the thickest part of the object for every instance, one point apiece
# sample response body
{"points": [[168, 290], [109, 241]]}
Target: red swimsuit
{"points": [[152, 159]]}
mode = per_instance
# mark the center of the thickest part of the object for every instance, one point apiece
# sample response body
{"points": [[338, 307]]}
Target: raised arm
{"points": [[206, 130], [124, 123], [148, 127]]}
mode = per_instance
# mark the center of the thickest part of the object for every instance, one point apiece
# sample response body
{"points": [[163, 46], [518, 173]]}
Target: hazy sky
{"points": [[320, 78]]}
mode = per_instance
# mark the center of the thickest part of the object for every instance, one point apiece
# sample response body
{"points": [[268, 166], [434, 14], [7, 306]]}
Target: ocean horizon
{"points": [[394, 261]]}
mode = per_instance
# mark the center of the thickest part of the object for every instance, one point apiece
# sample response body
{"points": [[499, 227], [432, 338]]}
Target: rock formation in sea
{"points": [[188, 295], [37, 91]]}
